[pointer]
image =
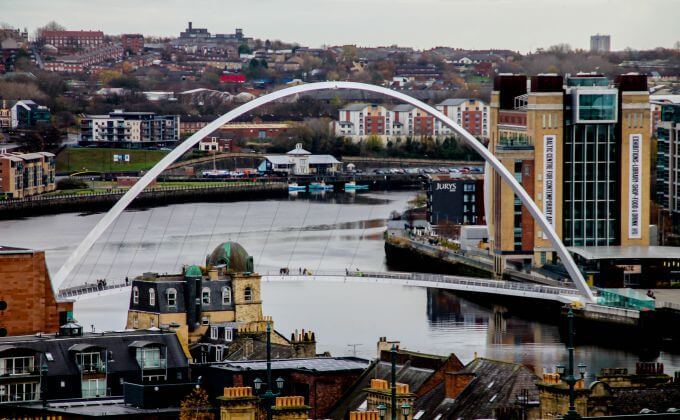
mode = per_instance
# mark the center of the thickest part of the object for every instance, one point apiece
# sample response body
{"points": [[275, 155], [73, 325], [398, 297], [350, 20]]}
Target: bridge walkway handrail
{"points": [[393, 275]]}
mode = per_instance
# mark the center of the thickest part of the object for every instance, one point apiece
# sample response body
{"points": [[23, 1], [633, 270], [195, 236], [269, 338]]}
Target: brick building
{"points": [[27, 301], [238, 131], [319, 381], [471, 114], [73, 40], [26, 174], [86, 60], [133, 43], [580, 146]]}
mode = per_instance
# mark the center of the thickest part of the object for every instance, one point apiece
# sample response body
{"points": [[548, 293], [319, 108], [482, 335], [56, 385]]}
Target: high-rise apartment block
{"points": [[600, 43], [129, 129], [580, 146]]}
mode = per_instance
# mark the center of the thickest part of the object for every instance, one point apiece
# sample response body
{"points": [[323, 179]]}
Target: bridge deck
{"points": [[437, 281]]}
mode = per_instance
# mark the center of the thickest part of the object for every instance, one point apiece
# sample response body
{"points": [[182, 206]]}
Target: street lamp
{"points": [[405, 410], [269, 395], [567, 374], [382, 410], [393, 408]]}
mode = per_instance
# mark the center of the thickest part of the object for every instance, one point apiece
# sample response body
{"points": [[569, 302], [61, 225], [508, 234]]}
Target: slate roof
{"points": [[496, 384], [118, 343], [356, 395], [322, 159], [452, 102], [403, 108], [319, 364]]}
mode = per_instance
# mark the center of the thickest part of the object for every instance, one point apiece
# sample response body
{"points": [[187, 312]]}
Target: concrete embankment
{"points": [[401, 256], [149, 198]]}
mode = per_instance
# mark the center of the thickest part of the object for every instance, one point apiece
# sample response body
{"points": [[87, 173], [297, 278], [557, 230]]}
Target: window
{"points": [[172, 297], [93, 387], [135, 322], [19, 392], [152, 297], [135, 295], [205, 296], [214, 332], [89, 362], [150, 358], [219, 353], [226, 296], [228, 334], [22, 365], [248, 294]]}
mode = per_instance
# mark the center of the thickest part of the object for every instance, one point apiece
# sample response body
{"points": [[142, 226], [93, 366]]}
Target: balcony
{"points": [[92, 368], [518, 142]]}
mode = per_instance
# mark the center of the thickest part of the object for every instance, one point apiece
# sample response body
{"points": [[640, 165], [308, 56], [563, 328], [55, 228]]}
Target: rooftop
{"points": [[318, 364], [626, 252]]}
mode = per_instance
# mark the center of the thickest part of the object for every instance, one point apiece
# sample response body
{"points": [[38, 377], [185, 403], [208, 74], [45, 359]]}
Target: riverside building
{"points": [[129, 129], [580, 146], [668, 163]]}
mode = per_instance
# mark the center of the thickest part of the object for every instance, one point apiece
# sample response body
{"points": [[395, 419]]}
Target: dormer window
{"points": [[172, 297], [226, 296], [152, 297], [248, 294], [205, 296], [135, 295]]}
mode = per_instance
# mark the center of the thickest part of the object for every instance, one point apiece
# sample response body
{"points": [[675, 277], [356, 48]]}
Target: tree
{"points": [[195, 406], [244, 49], [51, 26]]}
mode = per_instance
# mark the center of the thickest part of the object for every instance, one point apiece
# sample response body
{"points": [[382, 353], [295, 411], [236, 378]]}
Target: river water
{"points": [[318, 232]]}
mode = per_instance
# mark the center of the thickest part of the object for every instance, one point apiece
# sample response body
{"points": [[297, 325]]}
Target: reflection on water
{"points": [[330, 232]]}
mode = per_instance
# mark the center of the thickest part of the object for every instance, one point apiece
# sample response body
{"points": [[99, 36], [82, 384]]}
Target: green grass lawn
{"points": [[74, 159]]}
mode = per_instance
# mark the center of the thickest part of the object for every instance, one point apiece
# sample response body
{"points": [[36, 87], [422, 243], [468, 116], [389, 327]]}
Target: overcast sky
{"points": [[522, 25]]}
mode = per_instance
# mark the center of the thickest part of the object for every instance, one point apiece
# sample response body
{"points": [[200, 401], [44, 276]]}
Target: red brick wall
{"points": [[324, 390], [455, 383], [423, 126], [27, 291], [374, 125], [471, 124]]}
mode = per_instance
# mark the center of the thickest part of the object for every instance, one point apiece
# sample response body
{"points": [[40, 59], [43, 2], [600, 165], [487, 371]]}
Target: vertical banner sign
{"points": [[549, 179], [634, 187]]}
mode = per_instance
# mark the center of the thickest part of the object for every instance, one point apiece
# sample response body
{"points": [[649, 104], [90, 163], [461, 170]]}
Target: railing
{"points": [[20, 396], [93, 368], [442, 278], [120, 192], [28, 370], [611, 310], [668, 305]]}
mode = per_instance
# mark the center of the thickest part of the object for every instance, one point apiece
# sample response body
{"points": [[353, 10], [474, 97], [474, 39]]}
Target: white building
{"points": [[120, 128], [300, 162]]}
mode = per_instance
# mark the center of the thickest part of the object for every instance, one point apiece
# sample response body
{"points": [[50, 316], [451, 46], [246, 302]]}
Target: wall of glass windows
{"points": [[596, 107], [591, 179]]}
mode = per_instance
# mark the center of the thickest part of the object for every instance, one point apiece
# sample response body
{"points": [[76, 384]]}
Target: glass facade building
{"points": [[591, 180]]}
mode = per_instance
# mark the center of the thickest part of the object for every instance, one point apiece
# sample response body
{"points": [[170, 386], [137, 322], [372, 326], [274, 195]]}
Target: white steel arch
{"points": [[182, 148]]}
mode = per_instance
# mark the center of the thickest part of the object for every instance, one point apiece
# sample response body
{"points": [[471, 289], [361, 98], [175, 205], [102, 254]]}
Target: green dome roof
{"points": [[233, 255], [193, 271]]}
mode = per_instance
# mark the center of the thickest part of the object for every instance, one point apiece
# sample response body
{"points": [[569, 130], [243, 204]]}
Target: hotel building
{"points": [[580, 146]]}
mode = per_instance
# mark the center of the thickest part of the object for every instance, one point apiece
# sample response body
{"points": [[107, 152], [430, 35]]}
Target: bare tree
{"points": [[50, 26]]}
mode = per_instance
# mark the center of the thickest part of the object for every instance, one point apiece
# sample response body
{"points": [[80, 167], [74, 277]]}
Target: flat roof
{"points": [[319, 364], [626, 252]]}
